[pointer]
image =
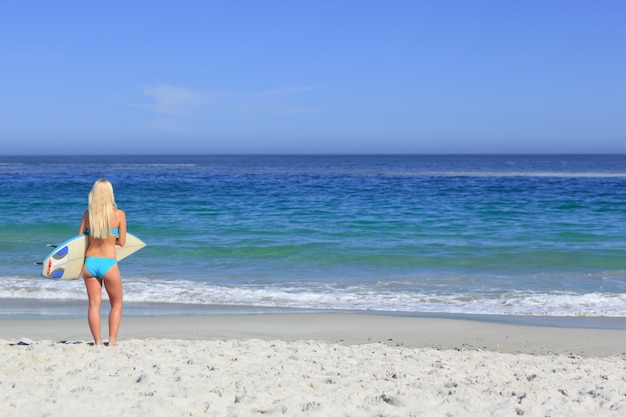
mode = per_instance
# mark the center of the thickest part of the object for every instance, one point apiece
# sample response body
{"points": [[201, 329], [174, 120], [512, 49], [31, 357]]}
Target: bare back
{"points": [[105, 248]]}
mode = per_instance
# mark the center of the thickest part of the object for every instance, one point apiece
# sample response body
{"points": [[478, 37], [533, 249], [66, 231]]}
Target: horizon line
{"points": [[276, 154]]}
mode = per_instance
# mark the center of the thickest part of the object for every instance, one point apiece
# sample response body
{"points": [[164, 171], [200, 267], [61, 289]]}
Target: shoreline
{"points": [[339, 328], [29, 309]]}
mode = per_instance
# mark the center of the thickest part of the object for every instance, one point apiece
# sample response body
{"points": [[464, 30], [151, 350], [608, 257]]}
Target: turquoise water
{"points": [[503, 235]]}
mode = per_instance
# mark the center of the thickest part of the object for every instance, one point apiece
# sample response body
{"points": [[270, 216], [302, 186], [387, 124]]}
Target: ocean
{"points": [[497, 235]]}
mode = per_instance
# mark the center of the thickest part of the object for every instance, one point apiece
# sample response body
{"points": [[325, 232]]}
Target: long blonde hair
{"points": [[101, 205]]}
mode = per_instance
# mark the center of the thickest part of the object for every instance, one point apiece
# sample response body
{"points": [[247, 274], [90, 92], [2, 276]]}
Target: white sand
{"points": [[347, 366]]}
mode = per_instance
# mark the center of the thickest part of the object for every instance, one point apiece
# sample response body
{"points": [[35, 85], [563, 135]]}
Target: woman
{"points": [[105, 225]]}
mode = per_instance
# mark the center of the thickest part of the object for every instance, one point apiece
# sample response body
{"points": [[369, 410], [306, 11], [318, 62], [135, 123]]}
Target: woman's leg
{"points": [[94, 294], [113, 286]]}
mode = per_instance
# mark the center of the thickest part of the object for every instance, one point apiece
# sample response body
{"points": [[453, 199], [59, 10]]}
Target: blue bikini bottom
{"points": [[98, 267]]}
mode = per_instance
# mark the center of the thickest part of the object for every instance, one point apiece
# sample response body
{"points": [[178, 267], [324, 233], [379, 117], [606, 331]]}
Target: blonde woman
{"points": [[105, 225]]}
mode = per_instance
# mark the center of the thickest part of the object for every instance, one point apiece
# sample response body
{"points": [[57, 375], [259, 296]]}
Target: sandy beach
{"points": [[311, 364]]}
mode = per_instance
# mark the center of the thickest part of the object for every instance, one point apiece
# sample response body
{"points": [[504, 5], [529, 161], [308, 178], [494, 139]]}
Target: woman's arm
{"points": [[84, 223], [121, 240]]}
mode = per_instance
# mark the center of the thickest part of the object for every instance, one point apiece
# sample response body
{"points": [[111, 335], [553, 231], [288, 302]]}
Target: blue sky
{"points": [[172, 77]]}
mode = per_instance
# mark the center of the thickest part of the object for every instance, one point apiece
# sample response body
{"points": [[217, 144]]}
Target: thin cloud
{"points": [[287, 91], [172, 101]]}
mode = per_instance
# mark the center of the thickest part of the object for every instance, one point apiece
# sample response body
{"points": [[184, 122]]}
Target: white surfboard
{"points": [[66, 260]]}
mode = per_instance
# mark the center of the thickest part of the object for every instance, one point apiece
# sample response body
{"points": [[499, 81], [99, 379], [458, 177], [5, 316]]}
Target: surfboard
{"points": [[67, 259]]}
